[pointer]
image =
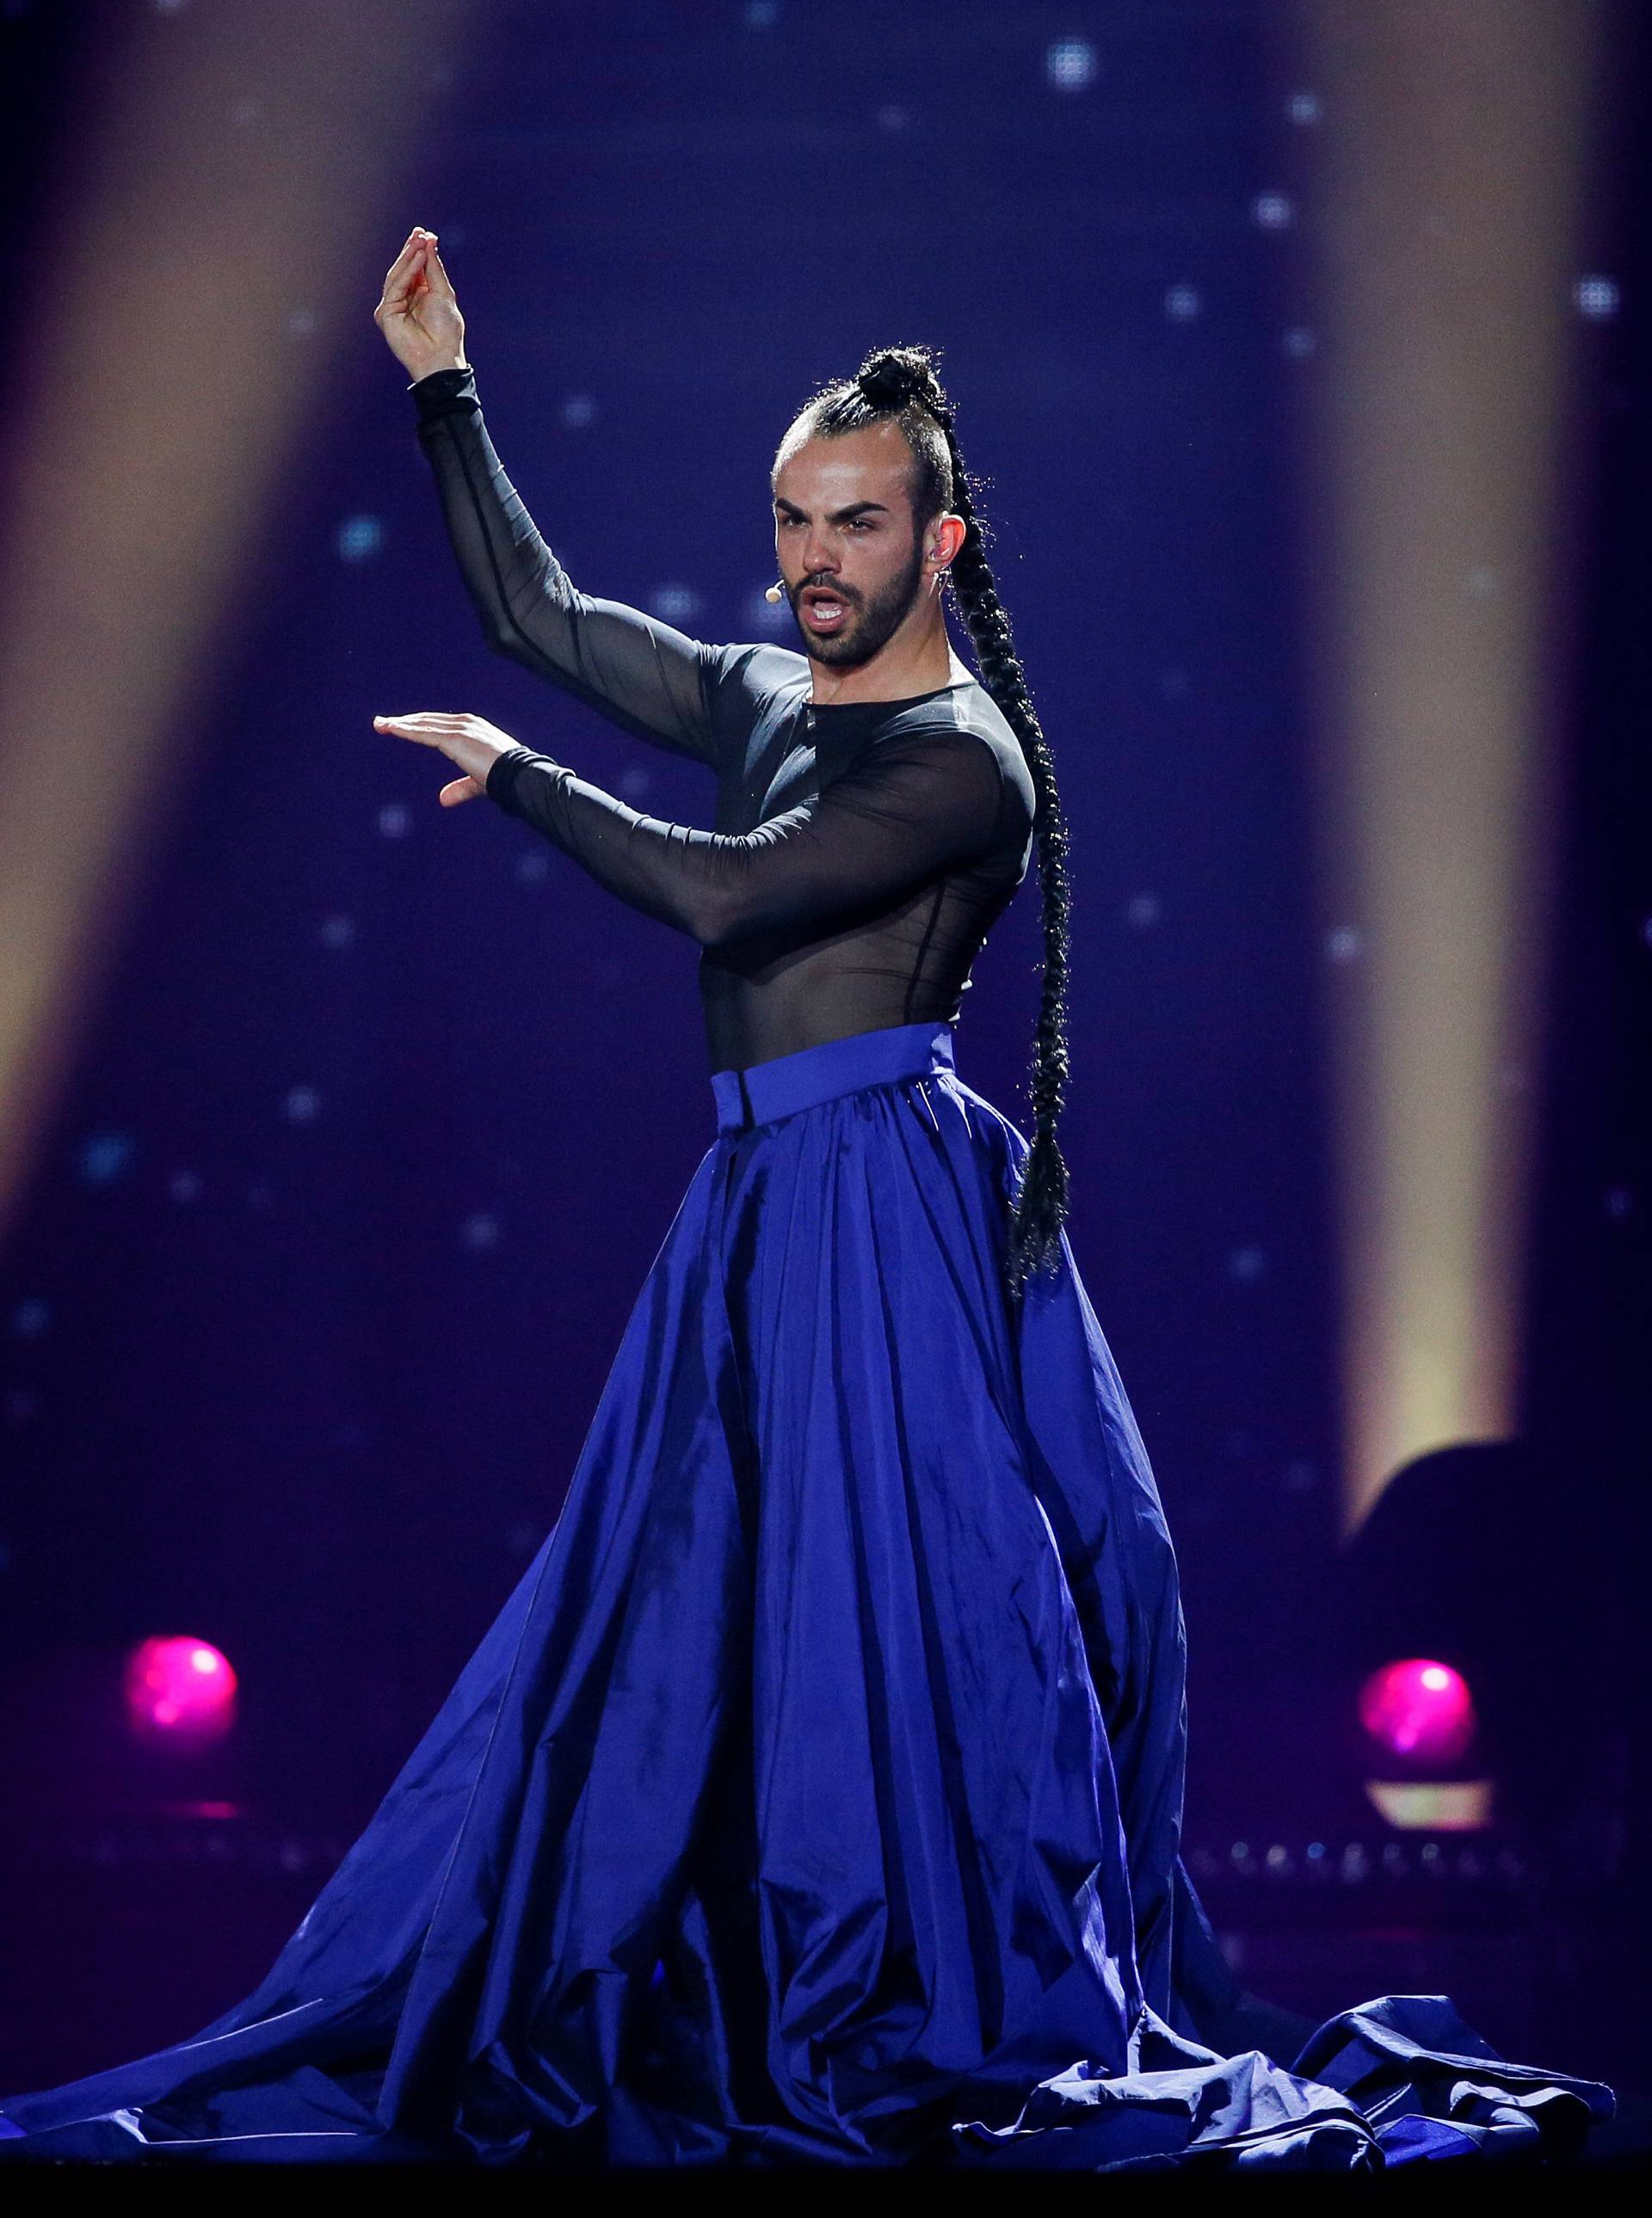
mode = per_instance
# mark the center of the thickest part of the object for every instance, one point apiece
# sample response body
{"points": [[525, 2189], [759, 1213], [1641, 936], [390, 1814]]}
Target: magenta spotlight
{"points": [[180, 1689], [1418, 1709]]}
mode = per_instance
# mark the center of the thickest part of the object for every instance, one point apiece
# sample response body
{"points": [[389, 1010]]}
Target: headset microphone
{"points": [[775, 595]]}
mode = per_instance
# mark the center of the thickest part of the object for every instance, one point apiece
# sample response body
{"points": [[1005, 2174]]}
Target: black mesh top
{"points": [[862, 852]]}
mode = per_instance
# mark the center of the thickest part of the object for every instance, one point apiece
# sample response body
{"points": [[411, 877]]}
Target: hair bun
{"points": [[887, 381], [896, 376]]}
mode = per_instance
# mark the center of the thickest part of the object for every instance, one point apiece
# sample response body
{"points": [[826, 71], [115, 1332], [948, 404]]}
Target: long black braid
{"points": [[902, 382]]}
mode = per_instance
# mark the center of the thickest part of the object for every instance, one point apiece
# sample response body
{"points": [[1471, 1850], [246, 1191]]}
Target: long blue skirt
{"points": [[816, 1795]]}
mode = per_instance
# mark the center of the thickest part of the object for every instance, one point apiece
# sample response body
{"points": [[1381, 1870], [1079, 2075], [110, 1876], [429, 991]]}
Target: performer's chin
{"points": [[844, 650], [860, 636]]}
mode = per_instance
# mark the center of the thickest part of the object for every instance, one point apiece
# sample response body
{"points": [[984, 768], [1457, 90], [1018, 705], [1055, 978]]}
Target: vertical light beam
{"points": [[235, 165], [1453, 139]]}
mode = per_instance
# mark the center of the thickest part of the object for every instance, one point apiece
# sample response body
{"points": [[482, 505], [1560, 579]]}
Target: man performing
{"points": [[817, 1795]]}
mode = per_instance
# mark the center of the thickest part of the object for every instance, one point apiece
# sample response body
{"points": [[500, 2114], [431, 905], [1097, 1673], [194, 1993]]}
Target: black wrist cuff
{"points": [[504, 771], [444, 392]]}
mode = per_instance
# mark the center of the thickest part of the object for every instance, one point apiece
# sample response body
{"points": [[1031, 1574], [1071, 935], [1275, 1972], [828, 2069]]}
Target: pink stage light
{"points": [[180, 1690], [1419, 1710]]}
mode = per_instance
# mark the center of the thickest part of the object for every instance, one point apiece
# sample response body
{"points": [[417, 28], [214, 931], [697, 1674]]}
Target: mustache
{"points": [[825, 585]]}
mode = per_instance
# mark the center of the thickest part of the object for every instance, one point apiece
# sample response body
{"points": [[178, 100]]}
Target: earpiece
{"points": [[775, 595]]}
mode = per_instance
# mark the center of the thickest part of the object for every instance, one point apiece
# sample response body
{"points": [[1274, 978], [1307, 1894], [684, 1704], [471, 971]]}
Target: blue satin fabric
{"points": [[816, 1795]]}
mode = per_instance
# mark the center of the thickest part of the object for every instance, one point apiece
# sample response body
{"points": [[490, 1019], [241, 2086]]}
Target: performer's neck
{"points": [[918, 662]]}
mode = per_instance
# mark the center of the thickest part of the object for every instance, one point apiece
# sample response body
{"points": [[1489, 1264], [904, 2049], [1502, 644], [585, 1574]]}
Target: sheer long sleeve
{"points": [[916, 808], [640, 674]]}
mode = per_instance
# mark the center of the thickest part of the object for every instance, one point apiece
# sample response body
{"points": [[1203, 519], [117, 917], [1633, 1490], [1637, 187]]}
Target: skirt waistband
{"points": [[764, 1091]]}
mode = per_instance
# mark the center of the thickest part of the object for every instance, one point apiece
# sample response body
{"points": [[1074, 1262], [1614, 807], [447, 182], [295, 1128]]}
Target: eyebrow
{"points": [[837, 515]]}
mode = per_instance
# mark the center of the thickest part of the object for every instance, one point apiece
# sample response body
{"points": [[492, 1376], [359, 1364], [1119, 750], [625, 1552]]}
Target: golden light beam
{"points": [[1453, 145], [233, 165]]}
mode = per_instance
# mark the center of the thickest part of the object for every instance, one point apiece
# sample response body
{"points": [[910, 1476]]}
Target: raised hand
{"points": [[418, 313]]}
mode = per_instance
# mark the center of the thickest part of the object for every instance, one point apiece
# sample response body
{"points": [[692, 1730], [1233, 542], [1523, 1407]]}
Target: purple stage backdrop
{"points": [[332, 1230]]}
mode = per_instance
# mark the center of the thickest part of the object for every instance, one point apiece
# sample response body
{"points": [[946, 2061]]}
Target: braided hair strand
{"points": [[902, 382]]}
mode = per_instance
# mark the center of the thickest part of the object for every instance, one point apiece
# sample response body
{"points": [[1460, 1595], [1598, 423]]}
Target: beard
{"points": [[868, 625]]}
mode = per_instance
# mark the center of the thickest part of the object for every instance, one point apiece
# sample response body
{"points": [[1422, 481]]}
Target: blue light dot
{"points": [[30, 1318], [1597, 298], [762, 14], [894, 118], [395, 821], [579, 411], [1142, 911], [635, 782], [1247, 1264], [1304, 107], [1345, 943], [105, 1156], [1273, 211], [360, 538], [1299, 342], [675, 604], [337, 931], [185, 1185], [480, 1230], [1070, 64], [533, 868], [300, 323], [302, 1103], [1182, 304]]}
